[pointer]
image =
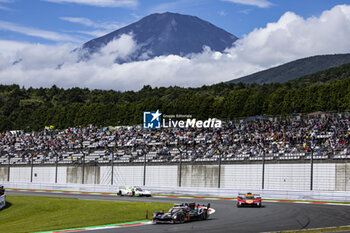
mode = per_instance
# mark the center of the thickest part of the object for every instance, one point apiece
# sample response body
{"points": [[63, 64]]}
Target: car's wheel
{"points": [[120, 193], [182, 219], [133, 193], [204, 215]]}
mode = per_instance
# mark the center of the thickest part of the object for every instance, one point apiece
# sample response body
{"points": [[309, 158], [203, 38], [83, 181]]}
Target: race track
{"points": [[228, 218]]}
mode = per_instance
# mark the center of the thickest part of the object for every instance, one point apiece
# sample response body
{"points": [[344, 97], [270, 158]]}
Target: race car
{"points": [[248, 199], [133, 191], [185, 212], [2, 190]]}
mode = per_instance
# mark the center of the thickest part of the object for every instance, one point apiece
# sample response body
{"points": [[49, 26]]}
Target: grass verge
{"points": [[33, 214]]}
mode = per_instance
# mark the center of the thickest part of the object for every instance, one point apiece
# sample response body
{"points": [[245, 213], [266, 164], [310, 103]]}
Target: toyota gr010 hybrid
{"points": [[248, 199], [185, 212]]}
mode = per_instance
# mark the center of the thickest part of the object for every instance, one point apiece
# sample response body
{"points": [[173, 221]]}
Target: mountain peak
{"points": [[168, 33]]}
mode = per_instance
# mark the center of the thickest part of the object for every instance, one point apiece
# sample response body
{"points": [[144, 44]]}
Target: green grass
{"points": [[33, 214]]}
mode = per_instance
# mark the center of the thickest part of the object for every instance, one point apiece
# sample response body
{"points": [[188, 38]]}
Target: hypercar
{"points": [[185, 212], [133, 191], [248, 199]]}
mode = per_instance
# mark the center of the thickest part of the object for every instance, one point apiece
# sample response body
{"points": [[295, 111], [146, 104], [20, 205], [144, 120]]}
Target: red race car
{"points": [[248, 199]]}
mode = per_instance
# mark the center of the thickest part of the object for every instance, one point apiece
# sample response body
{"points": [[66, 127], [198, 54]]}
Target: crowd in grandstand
{"points": [[324, 136]]}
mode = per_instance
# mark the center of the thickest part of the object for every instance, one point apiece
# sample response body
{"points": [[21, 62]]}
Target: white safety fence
{"points": [[341, 196]]}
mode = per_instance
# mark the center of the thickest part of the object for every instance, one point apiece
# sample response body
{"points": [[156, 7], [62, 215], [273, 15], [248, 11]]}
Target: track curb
{"points": [[102, 227]]}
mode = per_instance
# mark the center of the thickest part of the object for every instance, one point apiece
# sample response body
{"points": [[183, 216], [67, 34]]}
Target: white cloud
{"points": [[100, 3], [48, 35], [103, 28], [89, 23], [222, 13], [4, 8], [178, 5], [258, 3], [290, 38]]}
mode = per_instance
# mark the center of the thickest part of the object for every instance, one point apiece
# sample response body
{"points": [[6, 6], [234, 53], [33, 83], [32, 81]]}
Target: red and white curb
{"points": [[177, 197], [104, 227]]}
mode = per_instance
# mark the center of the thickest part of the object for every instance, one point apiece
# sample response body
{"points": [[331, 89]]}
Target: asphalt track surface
{"points": [[229, 218]]}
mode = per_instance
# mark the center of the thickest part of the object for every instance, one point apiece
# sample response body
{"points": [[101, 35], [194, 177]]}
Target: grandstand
{"points": [[325, 137]]}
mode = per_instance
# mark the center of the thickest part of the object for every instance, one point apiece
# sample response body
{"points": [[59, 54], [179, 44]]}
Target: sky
{"points": [[37, 38]]}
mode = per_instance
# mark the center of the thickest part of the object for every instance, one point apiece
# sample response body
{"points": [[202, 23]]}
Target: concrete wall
{"points": [[200, 176], [342, 177], [324, 176], [245, 176], [162, 176], [3, 173], [48, 174], [75, 175], [286, 176], [122, 175], [20, 174]]}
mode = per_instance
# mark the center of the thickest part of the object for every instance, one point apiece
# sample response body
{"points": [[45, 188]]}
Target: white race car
{"points": [[133, 191]]}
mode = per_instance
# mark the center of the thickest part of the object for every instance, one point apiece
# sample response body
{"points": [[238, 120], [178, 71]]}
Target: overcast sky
{"points": [[37, 37]]}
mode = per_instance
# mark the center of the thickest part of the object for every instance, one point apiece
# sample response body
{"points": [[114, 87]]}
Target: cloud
{"points": [[100, 3], [103, 28], [178, 5], [89, 23], [48, 35], [257, 3], [291, 37], [222, 13], [5, 8]]}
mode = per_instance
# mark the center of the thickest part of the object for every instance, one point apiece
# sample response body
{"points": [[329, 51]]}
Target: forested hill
{"points": [[32, 109], [295, 69]]}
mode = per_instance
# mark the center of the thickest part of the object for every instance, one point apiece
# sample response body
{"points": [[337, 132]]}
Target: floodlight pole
{"points": [[263, 172], [56, 172], [83, 168], [112, 166], [219, 178], [31, 169], [9, 165], [144, 167], [311, 169]]}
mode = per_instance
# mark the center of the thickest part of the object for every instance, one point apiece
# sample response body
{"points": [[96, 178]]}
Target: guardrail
{"points": [[340, 196]]}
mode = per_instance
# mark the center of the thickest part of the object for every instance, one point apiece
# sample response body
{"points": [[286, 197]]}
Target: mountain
{"points": [[295, 69], [165, 34]]}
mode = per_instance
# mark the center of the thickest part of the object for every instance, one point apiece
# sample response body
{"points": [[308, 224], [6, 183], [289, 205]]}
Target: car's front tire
{"points": [[182, 219]]}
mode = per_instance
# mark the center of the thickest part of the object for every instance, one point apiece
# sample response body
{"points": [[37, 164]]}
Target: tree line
{"points": [[34, 108]]}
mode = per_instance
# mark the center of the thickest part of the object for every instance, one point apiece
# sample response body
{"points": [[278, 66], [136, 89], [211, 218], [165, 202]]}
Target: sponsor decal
{"points": [[152, 120]]}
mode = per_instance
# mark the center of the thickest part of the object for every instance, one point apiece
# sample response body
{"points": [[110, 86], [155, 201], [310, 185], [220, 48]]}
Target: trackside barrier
{"points": [[2, 201], [186, 191]]}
